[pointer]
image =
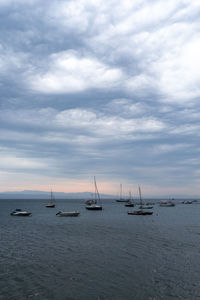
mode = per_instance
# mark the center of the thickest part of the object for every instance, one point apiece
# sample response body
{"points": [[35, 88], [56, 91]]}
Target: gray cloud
{"points": [[90, 87]]}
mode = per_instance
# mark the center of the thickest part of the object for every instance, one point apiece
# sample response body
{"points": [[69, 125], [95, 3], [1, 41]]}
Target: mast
{"points": [[51, 197], [130, 197], [140, 196], [97, 197], [120, 191]]}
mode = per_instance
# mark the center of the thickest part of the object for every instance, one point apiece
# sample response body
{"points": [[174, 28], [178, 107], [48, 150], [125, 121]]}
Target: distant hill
{"points": [[28, 194]]}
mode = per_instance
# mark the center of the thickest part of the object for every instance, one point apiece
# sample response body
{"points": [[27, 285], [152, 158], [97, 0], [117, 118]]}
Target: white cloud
{"points": [[179, 70], [69, 73], [78, 126], [100, 124]]}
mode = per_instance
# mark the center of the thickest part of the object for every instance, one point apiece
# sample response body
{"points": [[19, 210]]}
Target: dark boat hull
{"points": [[140, 213], [68, 214], [94, 207]]}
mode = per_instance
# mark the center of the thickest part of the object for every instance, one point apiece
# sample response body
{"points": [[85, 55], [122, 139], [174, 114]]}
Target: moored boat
{"points": [[51, 203], [19, 212], [94, 207], [129, 203], [167, 204], [142, 206], [140, 213], [94, 204], [121, 199], [68, 213], [146, 207]]}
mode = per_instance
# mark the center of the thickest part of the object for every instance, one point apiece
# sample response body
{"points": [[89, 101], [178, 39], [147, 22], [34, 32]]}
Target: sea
{"points": [[100, 255]]}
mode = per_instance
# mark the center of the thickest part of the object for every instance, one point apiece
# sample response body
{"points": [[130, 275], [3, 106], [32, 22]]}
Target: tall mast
{"points": [[140, 196], [97, 197], [120, 191], [51, 196]]}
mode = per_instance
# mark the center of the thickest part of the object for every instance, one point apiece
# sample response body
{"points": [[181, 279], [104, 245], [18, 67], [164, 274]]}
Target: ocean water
{"points": [[101, 255]]}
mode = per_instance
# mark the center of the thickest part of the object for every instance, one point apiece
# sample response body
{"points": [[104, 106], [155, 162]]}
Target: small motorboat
{"points": [[140, 213], [68, 213], [145, 207], [167, 204], [19, 212], [187, 202]]}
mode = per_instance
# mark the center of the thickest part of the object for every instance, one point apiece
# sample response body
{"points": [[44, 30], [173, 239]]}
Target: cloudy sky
{"points": [[105, 88]]}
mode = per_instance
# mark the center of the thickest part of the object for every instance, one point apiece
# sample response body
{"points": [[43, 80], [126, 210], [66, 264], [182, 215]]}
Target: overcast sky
{"points": [[105, 88]]}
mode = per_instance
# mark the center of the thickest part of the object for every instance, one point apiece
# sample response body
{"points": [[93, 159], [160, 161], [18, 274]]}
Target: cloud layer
{"points": [[90, 87]]}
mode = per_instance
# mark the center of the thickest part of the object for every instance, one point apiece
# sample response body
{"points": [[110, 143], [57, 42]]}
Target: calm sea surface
{"points": [[99, 255]]}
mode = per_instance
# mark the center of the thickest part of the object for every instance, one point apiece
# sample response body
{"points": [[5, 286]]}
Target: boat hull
{"points": [[129, 205], [146, 207], [122, 200], [68, 214], [140, 213], [94, 207], [50, 205], [21, 214], [167, 205]]}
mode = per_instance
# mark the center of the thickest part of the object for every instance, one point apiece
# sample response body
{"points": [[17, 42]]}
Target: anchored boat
{"points": [[141, 212], [68, 213], [19, 212], [51, 204], [95, 204]]}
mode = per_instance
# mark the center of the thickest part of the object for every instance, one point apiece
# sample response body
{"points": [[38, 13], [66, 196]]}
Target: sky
{"points": [[100, 88]]}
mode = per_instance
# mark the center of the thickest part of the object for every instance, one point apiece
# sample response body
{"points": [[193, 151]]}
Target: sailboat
{"points": [[129, 203], [96, 203], [51, 203], [141, 212], [142, 206], [121, 199]]}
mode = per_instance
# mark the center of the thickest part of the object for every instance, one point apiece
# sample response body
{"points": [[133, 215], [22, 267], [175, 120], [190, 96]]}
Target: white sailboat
{"points": [[129, 203], [51, 204], [96, 203], [142, 206], [141, 212], [121, 199]]}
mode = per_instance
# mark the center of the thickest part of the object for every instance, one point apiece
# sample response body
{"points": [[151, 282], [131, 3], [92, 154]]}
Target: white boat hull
{"points": [[21, 214]]}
